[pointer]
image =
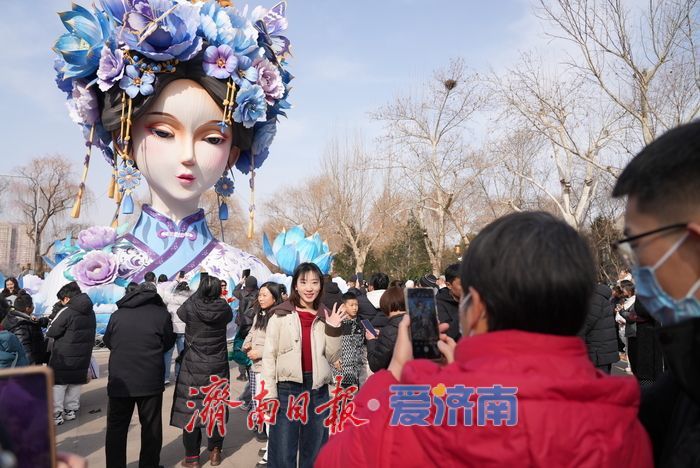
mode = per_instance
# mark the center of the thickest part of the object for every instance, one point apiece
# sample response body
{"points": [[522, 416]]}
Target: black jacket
{"points": [[29, 333], [73, 332], [246, 298], [367, 311], [331, 295], [670, 408], [599, 331], [380, 351], [205, 353], [448, 312], [139, 332]]}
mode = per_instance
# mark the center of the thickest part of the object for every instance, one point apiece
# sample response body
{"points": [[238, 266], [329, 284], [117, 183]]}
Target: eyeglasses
{"points": [[624, 246]]}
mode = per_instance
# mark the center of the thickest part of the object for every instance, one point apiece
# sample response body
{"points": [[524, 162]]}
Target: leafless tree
{"points": [[576, 129], [645, 61], [360, 199], [45, 189], [304, 204], [426, 131]]}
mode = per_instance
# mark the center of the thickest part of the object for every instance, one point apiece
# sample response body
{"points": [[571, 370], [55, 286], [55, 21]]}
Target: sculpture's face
{"points": [[177, 144]]}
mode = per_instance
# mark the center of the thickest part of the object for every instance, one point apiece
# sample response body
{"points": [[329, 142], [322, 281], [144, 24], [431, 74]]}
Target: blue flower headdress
{"points": [[126, 45]]}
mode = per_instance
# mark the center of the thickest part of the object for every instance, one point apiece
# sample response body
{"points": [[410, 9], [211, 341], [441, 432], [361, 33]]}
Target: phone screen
{"points": [[26, 420], [246, 273], [422, 310], [368, 326]]}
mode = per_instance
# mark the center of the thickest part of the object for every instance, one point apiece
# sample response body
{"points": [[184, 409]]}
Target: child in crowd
{"points": [[352, 348]]}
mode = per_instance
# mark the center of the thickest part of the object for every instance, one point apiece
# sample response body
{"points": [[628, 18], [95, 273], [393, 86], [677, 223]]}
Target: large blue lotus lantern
{"points": [[292, 248]]}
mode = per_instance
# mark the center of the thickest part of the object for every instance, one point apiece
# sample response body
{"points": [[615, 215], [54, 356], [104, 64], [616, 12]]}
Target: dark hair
{"points": [[69, 290], [379, 280], [263, 315], [162, 278], [534, 272], [617, 289], [452, 272], [190, 70], [348, 296], [397, 284], [23, 301], [300, 272], [182, 286], [131, 287], [392, 300], [627, 286], [664, 177], [4, 309], [209, 288], [283, 289], [150, 277], [6, 292]]}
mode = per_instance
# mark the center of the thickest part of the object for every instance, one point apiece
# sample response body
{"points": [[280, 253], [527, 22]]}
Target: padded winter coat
{"points": [[568, 412], [205, 355], [73, 333], [599, 331]]}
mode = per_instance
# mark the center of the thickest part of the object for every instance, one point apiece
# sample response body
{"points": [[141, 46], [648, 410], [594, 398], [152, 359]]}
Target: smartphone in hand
{"points": [[422, 309], [368, 326], [26, 415]]}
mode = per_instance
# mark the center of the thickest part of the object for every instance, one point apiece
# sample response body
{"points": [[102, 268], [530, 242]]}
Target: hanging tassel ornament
{"points": [[75, 213], [251, 208], [223, 209], [112, 188], [224, 188], [129, 179]]}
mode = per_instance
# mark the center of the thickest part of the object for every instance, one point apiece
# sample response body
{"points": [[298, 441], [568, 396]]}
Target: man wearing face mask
{"points": [[662, 243]]}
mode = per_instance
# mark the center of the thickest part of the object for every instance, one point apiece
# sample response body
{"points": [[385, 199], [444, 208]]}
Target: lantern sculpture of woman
{"points": [[177, 93]]}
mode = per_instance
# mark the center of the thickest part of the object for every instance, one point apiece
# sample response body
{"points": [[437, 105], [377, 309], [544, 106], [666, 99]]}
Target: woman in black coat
{"points": [[27, 328], [381, 349], [205, 315]]}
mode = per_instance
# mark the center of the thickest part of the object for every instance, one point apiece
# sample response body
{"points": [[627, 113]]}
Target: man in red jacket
{"points": [[519, 389]]}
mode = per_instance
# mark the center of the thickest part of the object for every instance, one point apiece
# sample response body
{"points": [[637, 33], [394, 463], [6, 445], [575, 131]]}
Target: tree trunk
{"points": [[38, 261]]}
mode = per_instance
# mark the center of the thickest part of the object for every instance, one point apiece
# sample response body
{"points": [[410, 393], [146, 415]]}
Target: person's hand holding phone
{"points": [[70, 460], [369, 336], [403, 349]]}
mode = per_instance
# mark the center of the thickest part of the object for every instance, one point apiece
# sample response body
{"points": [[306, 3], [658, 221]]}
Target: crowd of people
{"points": [[521, 310]]}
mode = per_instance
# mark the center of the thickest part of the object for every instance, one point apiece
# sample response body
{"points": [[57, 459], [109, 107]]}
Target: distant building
{"points": [[16, 248]]}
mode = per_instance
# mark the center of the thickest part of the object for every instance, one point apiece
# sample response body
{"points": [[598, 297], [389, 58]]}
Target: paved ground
{"points": [[86, 435]]}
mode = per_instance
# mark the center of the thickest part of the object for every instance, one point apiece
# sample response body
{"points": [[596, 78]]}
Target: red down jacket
{"points": [[569, 414]]}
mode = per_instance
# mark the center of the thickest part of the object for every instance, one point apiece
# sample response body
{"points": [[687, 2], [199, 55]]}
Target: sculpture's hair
{"points": [[190, 70]]}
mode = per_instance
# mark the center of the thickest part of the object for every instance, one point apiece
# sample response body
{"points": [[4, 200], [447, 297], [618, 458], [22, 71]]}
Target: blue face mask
{"points": [[659, 303]]}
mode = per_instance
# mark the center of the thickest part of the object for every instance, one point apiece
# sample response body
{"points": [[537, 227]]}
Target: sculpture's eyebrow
{"points": [[164, 114]]}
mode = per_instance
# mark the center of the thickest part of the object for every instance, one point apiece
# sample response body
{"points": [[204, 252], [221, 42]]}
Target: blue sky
{"points": [[349, 59]]}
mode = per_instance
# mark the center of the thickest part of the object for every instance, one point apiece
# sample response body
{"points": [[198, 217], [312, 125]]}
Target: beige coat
{"points": [[282, 352], [256, 338]]}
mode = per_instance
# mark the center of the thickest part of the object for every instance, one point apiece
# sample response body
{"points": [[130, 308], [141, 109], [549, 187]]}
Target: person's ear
{"points": [[233, 155], [477, 315]]}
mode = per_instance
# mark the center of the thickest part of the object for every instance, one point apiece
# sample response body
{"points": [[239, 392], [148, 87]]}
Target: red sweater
{"points": [[306, 319], [569, 414]]}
